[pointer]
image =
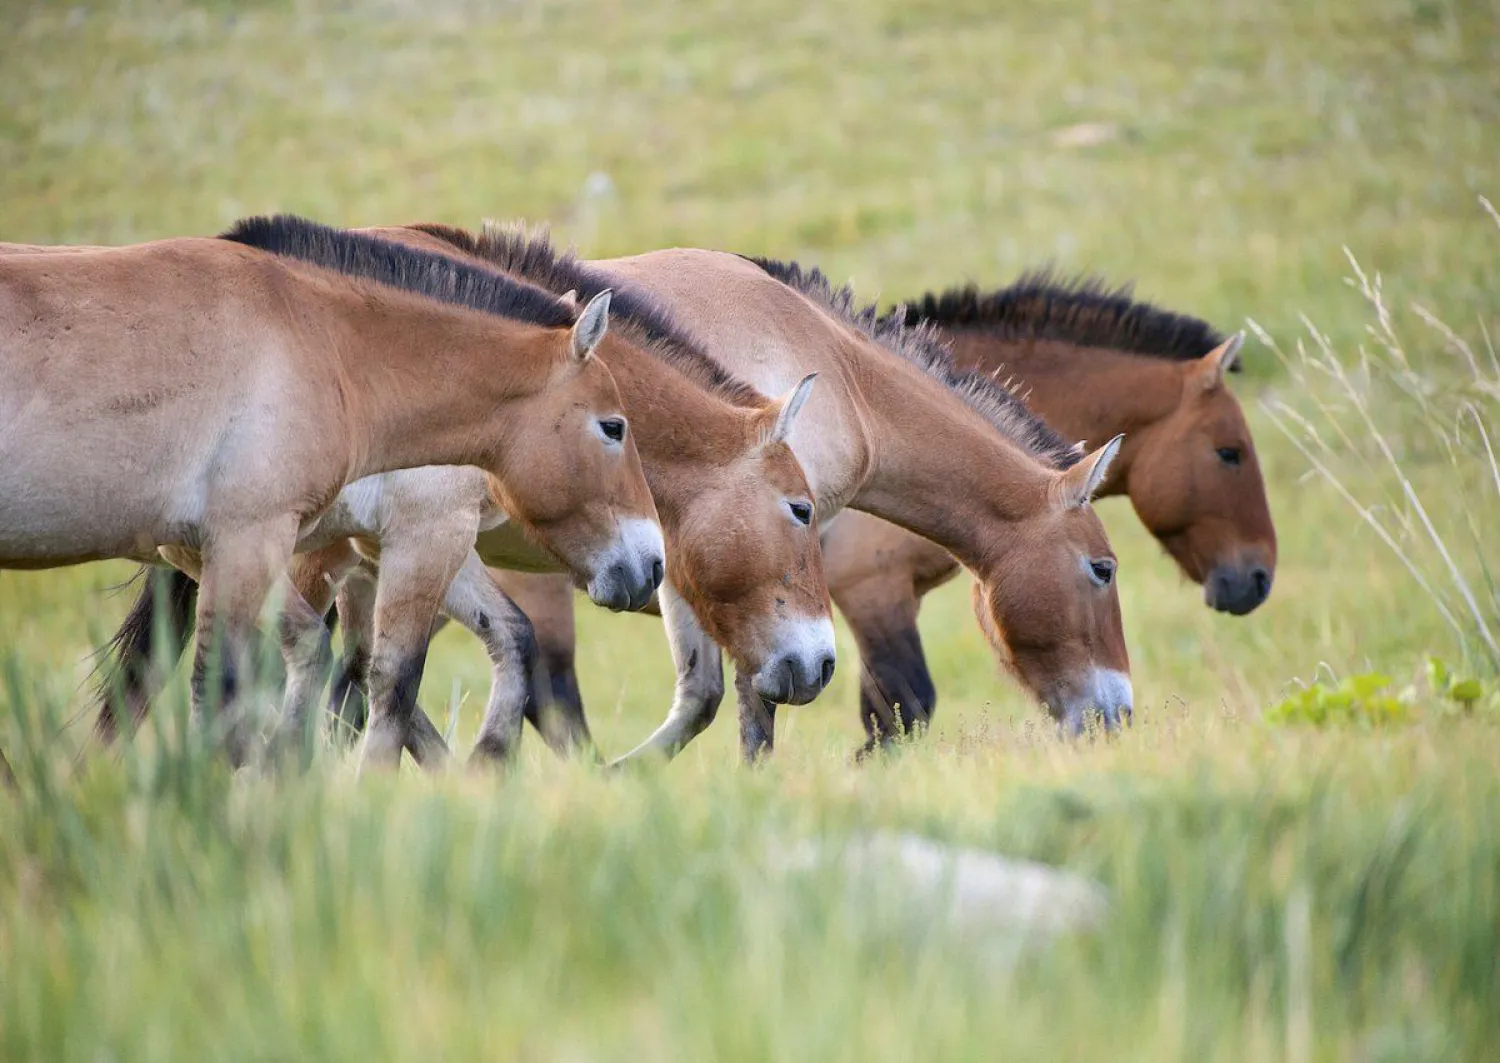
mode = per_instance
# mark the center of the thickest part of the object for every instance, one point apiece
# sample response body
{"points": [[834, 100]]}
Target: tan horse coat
{"points": [[210, 400]]}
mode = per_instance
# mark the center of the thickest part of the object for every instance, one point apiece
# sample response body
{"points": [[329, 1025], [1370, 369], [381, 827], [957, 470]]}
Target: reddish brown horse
{"points": [[208, 400], [1094, 363], [901, 432], [735, 508]]}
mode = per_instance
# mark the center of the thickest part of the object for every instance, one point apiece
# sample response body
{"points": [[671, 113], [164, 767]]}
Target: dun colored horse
{"points": [[208, 400], [734, 503], [899, 431], [1093, 363]]}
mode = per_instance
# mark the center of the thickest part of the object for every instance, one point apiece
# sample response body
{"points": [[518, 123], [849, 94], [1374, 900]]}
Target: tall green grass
{"points": [[1408, 443]]}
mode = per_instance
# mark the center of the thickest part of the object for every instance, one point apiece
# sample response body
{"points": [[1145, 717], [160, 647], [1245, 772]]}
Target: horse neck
{"points": [[1085, 394], [938, 468], [426, 383], [683, 431]]}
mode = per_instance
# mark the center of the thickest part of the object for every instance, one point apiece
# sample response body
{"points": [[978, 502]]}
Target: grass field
{"points": [[1278, 892]]}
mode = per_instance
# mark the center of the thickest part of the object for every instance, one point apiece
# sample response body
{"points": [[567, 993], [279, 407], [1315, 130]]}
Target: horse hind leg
{"points": [[557, 709], [348, 706], [306, 647], [476, 601]]}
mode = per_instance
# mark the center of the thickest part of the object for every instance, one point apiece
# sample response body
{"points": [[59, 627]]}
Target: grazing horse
{"points": [[1093, 362], [899, 431], [208, 399], [735, 507]]}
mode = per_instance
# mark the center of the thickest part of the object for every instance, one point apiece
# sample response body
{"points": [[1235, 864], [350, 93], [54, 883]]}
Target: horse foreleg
{"points": [[896, 692], [239, 568], [417, 565], [700, 681], [757, 719]]}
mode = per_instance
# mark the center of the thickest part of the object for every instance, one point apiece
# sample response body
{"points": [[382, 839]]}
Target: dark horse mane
{"points": [[919, 343], [531, 254], [1080, 310], [411, 269]]}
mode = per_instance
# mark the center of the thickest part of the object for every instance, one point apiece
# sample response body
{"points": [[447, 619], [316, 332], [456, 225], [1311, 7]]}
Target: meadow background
{"points": [[1279, 892]]}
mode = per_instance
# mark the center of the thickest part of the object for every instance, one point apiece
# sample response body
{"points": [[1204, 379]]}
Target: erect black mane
{"points": [[1080, 310], [920, 344], [408, 268], [531, 254]]}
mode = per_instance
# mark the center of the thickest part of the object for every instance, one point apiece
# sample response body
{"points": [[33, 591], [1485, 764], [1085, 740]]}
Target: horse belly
{"points": [[87, 491], [507, 546]]}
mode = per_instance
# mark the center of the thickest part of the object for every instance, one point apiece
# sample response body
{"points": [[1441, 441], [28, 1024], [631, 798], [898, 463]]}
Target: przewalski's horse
{"points": [[1093, 362], [898, 431], [208, 399], [734, 505]]}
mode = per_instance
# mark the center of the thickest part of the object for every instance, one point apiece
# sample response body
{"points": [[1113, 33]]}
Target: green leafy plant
{"points": [[1358, 699], [1463, 692], [1367, 699]]}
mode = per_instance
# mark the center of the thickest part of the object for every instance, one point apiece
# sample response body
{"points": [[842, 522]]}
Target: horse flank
{"points": [[410, 269], [530, 253], [1082, 310], [919, 343]]}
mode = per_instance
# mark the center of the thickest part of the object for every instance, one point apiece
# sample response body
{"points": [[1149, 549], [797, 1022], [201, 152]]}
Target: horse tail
{"points": [[128, 672]]}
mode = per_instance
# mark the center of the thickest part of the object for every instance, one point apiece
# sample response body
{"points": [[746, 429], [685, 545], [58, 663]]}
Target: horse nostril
{"points": [[658, 570], [1261, 579], [828, 669]]}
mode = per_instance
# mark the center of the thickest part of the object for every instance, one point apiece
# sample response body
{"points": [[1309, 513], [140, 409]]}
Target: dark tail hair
{"points": [[128, 670]]}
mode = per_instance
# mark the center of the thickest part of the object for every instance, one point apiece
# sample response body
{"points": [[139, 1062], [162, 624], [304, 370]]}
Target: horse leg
{"points": [[896, 692], [355, 603], [757, 719], [700, 681], [557, 710], [239, 569], [416, 568], [306, 648], [477, 602]]}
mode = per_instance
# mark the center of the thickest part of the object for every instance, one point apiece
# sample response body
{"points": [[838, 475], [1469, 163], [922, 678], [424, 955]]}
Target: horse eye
{"points": [[802, 511], [1103, 570], [613, 429], [1229, 455]]}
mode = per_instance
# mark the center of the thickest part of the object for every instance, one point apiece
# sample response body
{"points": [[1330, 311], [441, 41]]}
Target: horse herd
{"points": [[396, 426]]}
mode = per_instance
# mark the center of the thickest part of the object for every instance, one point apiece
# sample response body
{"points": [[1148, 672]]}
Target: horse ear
{"points": [[1076, 486], [1222, 359], [569, 298], [591, 326], [783, 412]]}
